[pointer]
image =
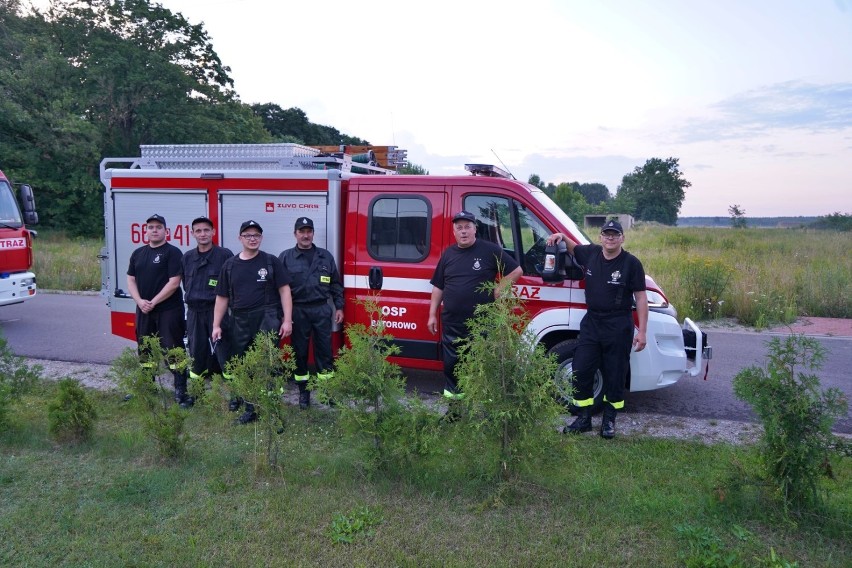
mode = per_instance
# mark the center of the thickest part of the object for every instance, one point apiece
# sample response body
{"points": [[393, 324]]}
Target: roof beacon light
{"points": [[487, 170]]}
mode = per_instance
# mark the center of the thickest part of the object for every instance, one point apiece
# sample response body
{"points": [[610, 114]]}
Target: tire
{"points": [[563, 380]]}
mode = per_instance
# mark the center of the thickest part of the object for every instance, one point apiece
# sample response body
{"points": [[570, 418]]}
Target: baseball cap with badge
{"points": [[202, 219], [303, 222], [157, 219], [251, 225], [464, 216], [612, 225]]}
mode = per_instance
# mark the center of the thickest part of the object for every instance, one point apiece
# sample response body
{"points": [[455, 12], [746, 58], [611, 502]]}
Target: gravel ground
{"points": [[655, 425]]}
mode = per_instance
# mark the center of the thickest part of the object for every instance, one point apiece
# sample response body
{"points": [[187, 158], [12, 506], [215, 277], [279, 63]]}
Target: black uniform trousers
{"points": [[242, 327], [199, 327], [450, 332], [606, 339], [168, 325], [312, 320]]}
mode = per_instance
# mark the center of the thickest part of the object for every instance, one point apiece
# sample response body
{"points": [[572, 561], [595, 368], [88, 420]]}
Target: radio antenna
{"points": [[502, 164]]}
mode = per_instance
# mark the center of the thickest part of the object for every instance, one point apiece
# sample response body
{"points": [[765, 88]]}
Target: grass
{"points": [[765, 275], [630, 502], [65, 263]]}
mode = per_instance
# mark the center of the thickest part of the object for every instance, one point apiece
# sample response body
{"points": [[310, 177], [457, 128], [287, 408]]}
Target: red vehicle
{"points": [[386, 231], [17, 281]]}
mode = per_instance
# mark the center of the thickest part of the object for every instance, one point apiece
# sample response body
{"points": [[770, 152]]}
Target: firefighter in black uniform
{"points": [[153, 280], [462, 269], [614, 278], [255, 289], [201, 267], [315, 281]]}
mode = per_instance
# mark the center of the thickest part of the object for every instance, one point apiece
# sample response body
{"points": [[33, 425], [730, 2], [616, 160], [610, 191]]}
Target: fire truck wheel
{"points": [[564, 352]]}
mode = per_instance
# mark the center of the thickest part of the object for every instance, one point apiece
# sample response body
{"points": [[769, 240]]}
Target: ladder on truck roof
{"points": [[285, 156]]}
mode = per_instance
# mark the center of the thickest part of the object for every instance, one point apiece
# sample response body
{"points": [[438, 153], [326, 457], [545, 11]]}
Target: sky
{"points": [[754, 97]]}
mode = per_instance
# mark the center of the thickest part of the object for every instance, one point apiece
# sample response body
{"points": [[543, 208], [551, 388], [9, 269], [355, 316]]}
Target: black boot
{"points": [[248, 416], [304, 395], [181, 397], [235, 403], [583, 422], [608, 422]]}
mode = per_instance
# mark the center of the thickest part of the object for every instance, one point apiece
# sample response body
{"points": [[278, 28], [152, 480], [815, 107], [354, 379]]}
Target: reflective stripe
{"points": [[226, 376], [325, 376], [148, 365], [584, 403], [195, 375], [616, 405], [453, 395], [301, 378]]}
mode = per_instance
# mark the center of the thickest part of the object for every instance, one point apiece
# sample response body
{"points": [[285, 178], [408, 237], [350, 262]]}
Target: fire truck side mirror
{"points": [[554, 263], [25, 194]]}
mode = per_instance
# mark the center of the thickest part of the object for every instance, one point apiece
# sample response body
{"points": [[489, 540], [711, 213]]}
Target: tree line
{"points": [[83, 80]]}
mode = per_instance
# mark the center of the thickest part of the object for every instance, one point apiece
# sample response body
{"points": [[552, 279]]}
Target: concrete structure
{"points": [[597, 221]]}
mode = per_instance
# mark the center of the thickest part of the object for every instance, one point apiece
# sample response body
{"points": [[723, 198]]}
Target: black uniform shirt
{"points": [[153, 268], [460, 273], [610, 283], [315, 276], [250, 282], [201, 274]]}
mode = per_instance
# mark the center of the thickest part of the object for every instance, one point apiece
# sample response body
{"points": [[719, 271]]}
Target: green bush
{"points": [[260, 377], [507, 384], [71, 415], [369, 393], [142, 376], [797, 417], [16, 378]]}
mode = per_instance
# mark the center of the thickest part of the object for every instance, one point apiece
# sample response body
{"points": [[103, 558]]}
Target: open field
{"points": [[629, 502], [758, 276]]}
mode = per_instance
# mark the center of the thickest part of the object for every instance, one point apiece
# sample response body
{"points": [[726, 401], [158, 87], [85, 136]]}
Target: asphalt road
{"points": [[65, 327]]}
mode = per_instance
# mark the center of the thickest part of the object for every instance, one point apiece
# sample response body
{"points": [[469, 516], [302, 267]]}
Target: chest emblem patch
{"points": [[157, 259], [477, 264], [262, 273]]}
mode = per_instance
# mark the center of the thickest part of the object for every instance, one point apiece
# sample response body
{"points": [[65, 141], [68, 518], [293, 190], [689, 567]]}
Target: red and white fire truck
{"points": [[386, 231], [17, 281]]}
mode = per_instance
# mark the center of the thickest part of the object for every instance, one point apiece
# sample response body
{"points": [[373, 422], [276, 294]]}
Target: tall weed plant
{"points": [[797, 416]]}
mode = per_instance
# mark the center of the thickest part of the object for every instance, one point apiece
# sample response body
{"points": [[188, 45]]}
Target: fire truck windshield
{"points": [[10, 215]]}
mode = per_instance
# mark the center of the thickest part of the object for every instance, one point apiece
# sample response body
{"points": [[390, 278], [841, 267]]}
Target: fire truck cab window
{"points": [[8, 207], [511, 225], [399, 229]]}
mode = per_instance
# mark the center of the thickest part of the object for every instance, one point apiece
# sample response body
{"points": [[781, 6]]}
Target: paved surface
{"points": [[830, 327]]}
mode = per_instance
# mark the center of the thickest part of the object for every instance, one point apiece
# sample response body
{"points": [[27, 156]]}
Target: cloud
{"points": [[790, 105]]}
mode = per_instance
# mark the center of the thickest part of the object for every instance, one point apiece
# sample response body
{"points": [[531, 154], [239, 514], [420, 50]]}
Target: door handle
{"points": [[375, 278]]}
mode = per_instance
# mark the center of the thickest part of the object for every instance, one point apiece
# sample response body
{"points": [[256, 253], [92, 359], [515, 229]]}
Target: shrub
{"points": [[260, 378], [71, 415], [16, 378], [705, 281], [142, 377], [508, 384], [369, 392], [797, 418]]}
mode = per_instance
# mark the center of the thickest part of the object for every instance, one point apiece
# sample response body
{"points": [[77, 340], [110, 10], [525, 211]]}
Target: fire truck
{"points": [[17, 281], [385, 230]]}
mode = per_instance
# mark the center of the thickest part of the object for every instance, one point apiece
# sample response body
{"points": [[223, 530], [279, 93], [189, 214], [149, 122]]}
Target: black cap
{"points": [[464, 216], [251, 225], [201, 219], [158, 218], [612, 225], [303, 222]]}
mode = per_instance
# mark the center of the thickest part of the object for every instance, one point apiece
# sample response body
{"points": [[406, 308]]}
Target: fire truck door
{"points": [[398, 242]]}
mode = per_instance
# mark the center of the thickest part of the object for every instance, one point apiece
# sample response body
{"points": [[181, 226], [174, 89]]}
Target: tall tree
{"points": [[657, 189], [594, 193], [292, 125]]}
